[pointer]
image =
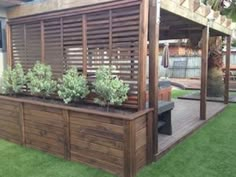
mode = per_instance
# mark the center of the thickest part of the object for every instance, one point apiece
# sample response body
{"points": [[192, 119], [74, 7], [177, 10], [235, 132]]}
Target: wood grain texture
{"points": [[154, 29], [204, 68], [87, 38], [10, 121], [227, 69], [143, 32], [117, 145]]}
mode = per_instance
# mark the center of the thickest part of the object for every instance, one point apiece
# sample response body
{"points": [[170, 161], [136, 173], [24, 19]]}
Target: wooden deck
{"points": [[185, 120]]}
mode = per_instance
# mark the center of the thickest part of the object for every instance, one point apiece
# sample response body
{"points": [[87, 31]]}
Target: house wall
{"points": [[2, 50]]}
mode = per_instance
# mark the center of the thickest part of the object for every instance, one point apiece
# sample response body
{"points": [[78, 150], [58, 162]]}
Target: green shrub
{"points": [[109, 88], [13, 80], [72, 86], [40, 80]]}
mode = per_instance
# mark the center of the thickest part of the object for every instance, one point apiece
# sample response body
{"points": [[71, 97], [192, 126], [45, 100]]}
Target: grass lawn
{"points": [[211, 152], [179, 92]]}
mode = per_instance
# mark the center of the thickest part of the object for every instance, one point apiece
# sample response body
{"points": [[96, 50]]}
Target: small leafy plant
{"points": [[40, 80], [109, 88], [72, 86], [13, 80]]}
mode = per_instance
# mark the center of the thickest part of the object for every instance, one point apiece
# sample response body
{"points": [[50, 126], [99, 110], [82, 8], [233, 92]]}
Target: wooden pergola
{"points": [[157, 20]]}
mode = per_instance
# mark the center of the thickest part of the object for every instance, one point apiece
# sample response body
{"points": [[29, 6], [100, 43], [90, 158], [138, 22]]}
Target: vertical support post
{"points": [[227, 69], [9, 45], [154, 26], [42, 43], [22, 123], [84, 19], [110, 37], [130, 149], [66, 117], [143, 32], [204, 69], [149, 137], [25, 43]]}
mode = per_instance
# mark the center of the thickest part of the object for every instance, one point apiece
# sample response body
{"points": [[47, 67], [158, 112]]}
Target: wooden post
{"points": [[84, 45], [67, 154], [227, 70], [110, 38], [143, 32], [9, 45], [130, 149], [150, 137], [22, 123], [154, 25], [42, 43], [204, 69]]}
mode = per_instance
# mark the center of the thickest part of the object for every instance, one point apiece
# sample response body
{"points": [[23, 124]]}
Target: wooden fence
{"points": [[109, 34], [117, 143]]}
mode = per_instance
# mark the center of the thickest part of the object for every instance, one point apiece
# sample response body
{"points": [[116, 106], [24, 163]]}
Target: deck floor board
{"points": [[185, 119]]}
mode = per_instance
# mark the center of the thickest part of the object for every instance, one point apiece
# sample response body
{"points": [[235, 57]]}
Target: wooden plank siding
{"points": [[113, 142], [10, 125], [114, 34]]}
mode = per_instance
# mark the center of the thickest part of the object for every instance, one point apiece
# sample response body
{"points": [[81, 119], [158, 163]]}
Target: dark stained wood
{"points": [[22, 123], [110, 37], [150, 137], [227, 69], [84, 26], [76, 11], [67, 152], [143, 32], [87, 41], [42, 43], [204, 68], [185, 121], [154, 22], [102, 140], [10, 123], [9, 45], [129, 161]]}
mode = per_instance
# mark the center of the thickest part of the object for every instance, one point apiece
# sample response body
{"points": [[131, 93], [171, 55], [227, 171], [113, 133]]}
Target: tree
{"points": [[215, 85]]}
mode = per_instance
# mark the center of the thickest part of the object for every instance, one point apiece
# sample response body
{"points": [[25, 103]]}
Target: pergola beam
{"points": [[227, 69], [204, 69]]}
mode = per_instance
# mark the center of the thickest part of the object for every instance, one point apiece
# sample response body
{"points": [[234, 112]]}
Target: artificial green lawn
{"points": [[211, 152], [179, 92]]}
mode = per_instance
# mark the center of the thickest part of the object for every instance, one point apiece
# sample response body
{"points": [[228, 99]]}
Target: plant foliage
{"points": [[109, 88], [40, 80], [13, 80], [72, 86]]}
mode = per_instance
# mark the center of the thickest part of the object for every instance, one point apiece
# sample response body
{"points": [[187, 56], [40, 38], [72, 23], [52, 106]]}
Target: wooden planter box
{"points": [[117, 143]]}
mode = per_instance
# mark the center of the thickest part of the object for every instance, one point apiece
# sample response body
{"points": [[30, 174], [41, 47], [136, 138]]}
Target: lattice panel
{"points": [[18, 44], [87, 40], [72, 42], [53, 45], [33, 44], [97, 41], [125, 45]]}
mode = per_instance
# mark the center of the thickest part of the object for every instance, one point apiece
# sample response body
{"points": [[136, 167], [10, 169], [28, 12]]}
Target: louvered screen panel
{"points": [[85, 40], [18, 44], [125, 45], [53, 46], [97, 41], [33, 44], [73, 42]]}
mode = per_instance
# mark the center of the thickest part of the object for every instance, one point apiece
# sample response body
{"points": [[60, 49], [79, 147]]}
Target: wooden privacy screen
{"points": [[88, 37]]}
